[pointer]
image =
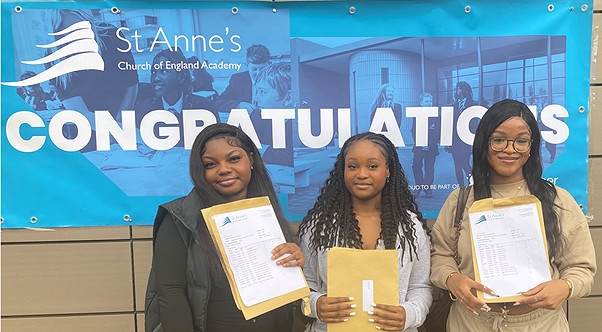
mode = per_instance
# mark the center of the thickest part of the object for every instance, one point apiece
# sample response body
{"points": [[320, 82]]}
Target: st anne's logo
{"points": [[481, 219], [226, 221], [76, 50]]}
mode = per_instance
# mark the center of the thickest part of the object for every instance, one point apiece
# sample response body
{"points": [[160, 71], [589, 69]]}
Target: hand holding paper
{"points": [[389, 316], [461, 286], [291, 255], [550, 295], [335, 309], [509, 246], [248, 238], [369, 277]]}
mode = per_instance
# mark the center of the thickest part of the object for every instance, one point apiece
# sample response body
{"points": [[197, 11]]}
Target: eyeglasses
{"points": [[500, 144]]}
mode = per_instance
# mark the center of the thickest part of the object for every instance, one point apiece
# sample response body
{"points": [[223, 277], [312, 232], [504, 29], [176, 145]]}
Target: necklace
{"points": [[518, 188]]}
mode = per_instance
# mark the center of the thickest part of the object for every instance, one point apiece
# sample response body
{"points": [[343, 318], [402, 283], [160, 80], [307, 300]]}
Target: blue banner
{"points": [[101, 103]]}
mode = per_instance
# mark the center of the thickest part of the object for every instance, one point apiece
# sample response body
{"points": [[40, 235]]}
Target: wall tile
{"points": [[597, 238], [96, 323], [143, 251], [65, 234], [595, 191], [142, 232], [63, 278], [584, 314]]}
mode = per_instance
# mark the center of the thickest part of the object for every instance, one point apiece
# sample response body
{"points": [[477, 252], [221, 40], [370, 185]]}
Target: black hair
{"points": [[27, 74], [545, 191], [332, 222], [176, 56], [259, 185], [258, 53], [466, 90], [200, 79]]}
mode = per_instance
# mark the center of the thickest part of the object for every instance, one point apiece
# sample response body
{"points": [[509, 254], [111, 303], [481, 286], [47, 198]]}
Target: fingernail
{"points": [[370, 312], [486, 308], [371, 320], [353, 306], [378, 328], [352, 313], [351, 298], [373, 304], [493, 293], [475, 312], [346, 319], [516, 303]]}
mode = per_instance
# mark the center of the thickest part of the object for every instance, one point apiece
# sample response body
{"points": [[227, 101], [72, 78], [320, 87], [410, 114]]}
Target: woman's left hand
{"points": [[388, 317], [294, 257], [550, 295]]}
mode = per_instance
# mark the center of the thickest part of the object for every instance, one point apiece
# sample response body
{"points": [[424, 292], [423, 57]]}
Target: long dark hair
{"points": [[381, 97], [332, 222], [466, 91], [545, 191], [259, 185]]}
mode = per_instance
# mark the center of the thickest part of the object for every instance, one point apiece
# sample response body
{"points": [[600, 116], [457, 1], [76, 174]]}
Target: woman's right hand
{"points": [[335, 309], [461, 286]]}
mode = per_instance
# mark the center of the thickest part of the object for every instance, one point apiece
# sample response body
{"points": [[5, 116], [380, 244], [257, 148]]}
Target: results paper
{"points": [[248, 237], [509, 249]]}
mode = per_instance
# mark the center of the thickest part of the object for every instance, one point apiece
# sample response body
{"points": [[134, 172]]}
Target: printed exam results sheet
{"points": [[248, 237], [509, 247]]}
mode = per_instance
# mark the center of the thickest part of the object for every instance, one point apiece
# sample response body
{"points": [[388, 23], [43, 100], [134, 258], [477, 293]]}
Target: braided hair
{"points": [[332, 222]]}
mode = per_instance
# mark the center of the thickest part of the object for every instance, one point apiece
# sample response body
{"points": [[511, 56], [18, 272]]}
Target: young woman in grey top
{"points": [[366, 204]]}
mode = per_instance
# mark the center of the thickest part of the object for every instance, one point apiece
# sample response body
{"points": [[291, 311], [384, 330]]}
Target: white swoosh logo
{"points": [[79, 50]]}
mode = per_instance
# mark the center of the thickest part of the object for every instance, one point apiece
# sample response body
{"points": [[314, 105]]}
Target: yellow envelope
{"points": [[370, 276], [264, 306]]}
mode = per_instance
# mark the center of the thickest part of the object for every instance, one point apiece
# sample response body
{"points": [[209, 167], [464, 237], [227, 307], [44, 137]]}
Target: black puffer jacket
{"points": [[186, 214]]}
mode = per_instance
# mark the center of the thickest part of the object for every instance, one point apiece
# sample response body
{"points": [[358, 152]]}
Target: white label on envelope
{"points": [[367, 294]]}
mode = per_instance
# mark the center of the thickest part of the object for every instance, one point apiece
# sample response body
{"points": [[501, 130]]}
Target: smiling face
{"points": [[366, 171], [506, 166], [227, 168]]}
